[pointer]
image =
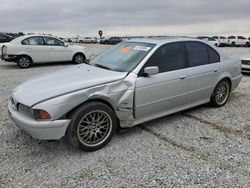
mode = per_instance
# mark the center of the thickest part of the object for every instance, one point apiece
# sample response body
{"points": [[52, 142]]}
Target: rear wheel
{"points": [[92, 126], [220, 94], [247, 44], [24, 62], [79, 58], [233, 44]]}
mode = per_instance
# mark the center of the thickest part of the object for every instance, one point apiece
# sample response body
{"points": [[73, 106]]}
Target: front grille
{"points": [[23, 109], [245, 62]]}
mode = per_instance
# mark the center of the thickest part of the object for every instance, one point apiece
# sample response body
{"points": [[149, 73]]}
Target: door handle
{"points": [[183, 77], [216, 70]]}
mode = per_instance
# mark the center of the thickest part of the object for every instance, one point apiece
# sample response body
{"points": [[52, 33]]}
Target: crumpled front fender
{"points": [[119, 94]]}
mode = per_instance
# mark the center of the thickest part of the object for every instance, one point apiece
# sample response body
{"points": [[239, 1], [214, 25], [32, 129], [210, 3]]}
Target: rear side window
{"points": [[232, 37], [214, 57], [169, 57], [33, 41], [197, 54], [25, 42]]}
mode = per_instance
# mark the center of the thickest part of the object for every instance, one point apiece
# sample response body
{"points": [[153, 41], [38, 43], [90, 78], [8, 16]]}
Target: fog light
{"points": [[41, 115]]}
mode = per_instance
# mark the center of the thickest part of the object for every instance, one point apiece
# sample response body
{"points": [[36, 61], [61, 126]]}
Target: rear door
{"points": [[167, 91], [57, 50], [205, 68], [35, 47]]}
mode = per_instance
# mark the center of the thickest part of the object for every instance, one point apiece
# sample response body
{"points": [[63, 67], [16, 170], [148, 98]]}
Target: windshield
{"points": [[123, 57]]}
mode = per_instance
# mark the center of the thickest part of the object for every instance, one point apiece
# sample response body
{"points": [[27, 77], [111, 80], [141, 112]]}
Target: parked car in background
{"points": [[5, 38], [129, 84], [222, 41], [29, 49], [92, 40], [99, 39], [245, 63], [210, 40], [74, 40], [111, 40], [238, 41]]}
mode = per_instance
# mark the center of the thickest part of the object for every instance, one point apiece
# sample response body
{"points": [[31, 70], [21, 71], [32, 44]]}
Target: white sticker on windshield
{"points": [[142, 48]]}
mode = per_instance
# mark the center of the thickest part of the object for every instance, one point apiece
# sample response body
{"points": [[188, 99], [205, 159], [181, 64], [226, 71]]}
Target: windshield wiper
{"points": [[102, 66]]}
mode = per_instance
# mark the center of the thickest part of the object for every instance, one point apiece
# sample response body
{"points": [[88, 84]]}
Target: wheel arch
{"points": [[101, 100], [225, 77]]}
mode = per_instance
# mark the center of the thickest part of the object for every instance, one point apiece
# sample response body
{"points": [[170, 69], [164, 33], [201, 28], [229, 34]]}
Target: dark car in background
{"points": [[111, 40], [5, 38]]}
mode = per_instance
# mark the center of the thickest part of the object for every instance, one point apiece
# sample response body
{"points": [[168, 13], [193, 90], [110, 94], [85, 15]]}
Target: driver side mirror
{"points": [[66, 44], [150, 71]]}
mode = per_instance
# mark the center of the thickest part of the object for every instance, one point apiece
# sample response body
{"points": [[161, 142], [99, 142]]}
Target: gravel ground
{"points": [[200, 147]]}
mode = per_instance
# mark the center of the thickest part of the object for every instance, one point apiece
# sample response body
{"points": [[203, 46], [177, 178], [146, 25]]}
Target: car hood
{"points": [[62, 82]]}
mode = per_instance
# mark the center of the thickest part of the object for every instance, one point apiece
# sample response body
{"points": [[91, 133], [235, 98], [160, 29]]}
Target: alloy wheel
{"points": [[94, 128], [221, 93]]}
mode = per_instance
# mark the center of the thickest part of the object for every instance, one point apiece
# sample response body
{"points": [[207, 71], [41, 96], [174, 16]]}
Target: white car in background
{"points": [[30, 49], [245, 63], [210, 40], [238, 41], [222, 41], [92, 40]]}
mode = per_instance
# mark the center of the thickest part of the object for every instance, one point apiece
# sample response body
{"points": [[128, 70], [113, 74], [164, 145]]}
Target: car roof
{"points": [[19, 39], [164, 40]]}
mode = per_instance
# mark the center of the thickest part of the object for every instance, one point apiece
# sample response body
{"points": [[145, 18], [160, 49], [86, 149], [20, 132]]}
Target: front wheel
{"points": [[220, 94], [92, 126], [79, 58], [24, 62]]}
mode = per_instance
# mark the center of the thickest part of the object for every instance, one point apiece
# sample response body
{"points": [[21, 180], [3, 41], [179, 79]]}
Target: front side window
{"points": [[53, 41], [240, 37], [33, 41], [123, 57], [168, 57], [197, 54]]}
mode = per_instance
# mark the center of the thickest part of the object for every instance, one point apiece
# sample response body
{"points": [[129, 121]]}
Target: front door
{"points": [[165, 92], [57, 50]]}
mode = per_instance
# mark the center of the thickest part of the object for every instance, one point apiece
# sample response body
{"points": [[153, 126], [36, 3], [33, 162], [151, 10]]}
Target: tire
{"points": [[79, 58], [247, 44], [233, 44], [220, 94], [84, 130], [24, 62]]}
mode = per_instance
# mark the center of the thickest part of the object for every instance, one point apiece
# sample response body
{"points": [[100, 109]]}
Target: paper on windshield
{"points": [[142, 48]]}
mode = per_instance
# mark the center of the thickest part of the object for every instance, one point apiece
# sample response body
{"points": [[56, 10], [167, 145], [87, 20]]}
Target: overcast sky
{"points": [[130, 17]]}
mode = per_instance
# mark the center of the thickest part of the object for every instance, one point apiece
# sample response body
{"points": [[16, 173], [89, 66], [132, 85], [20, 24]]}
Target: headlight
{"points": [[41, 114]]}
